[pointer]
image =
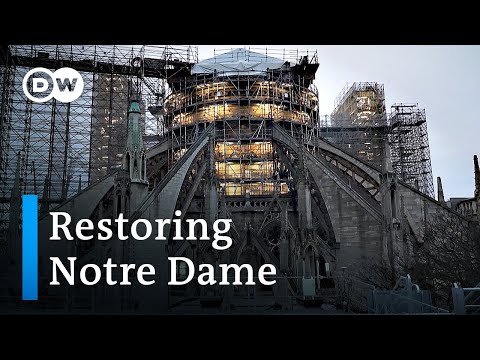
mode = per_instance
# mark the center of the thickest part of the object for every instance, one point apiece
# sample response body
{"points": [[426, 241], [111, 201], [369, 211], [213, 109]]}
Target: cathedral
{"points": [[243, 139]]}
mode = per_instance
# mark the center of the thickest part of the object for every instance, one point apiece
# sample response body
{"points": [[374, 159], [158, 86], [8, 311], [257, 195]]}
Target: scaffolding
{"points": [[242, 107], [359, 122], [360, 125], [64, 147], [409, 146], [358, 103]]}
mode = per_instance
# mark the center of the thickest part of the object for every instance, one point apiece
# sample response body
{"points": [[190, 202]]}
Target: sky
{"points": [[444, 80]]}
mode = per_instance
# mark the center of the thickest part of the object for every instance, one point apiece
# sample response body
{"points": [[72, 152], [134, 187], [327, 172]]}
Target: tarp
{"points": [[238, 61]]}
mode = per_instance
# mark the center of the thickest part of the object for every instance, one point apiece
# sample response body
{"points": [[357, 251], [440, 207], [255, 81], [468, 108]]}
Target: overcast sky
{"points": [[445, 80]]}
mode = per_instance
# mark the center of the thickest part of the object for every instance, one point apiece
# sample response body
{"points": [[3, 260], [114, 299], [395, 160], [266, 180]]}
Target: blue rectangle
{"points": [[29, 247]]}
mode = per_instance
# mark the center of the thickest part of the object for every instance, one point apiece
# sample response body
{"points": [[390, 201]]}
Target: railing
{"points": [[405, 298], [466, 304], [412, 306], [259, 54]]}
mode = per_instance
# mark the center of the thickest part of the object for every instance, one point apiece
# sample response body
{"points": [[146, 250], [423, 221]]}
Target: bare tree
{"points": [[377, 272], [450, 252]]}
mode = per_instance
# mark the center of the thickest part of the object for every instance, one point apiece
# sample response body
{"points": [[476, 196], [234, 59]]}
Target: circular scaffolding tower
{"points": [[243, 92]]}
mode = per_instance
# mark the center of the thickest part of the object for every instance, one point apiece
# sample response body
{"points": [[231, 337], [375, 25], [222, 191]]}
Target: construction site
{"points": [[240, 135]]}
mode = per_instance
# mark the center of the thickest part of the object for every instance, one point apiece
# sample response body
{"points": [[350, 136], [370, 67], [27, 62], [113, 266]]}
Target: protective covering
{"points": [[238, 61]]}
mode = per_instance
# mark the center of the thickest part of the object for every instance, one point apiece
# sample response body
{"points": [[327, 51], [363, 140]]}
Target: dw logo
{"points": [[66, 85]]}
